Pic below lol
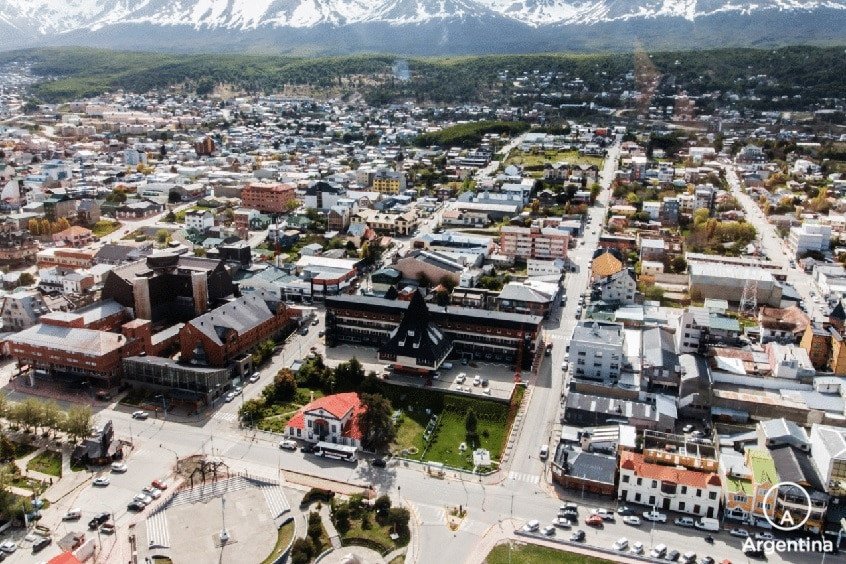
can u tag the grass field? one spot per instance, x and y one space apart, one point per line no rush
284 537
450 434
518 157
104 227
48 462
534 554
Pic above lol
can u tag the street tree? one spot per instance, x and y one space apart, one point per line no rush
349 375
375 423
51 415
78 422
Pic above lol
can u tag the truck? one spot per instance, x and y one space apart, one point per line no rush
708 524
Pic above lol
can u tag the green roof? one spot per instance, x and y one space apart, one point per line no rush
719 322
762 465
737 485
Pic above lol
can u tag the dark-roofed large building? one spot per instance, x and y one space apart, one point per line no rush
169 287
417 343
218 336
493 336
584 471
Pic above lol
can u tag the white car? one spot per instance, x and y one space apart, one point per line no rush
740 533
143 498
765 536
632 520
288 444
8 546
140 415
237 390
229 397
621 544
637 548
477 380
532 526
655 516
254 378
154 493
460 378
119 467
658 551
102 481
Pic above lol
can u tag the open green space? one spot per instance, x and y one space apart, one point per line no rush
47 462
104 227
23 449
275 416
511 553
284 536
541 158
493 424
372 526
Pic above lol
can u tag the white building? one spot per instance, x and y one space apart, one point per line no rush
668 488
810 237
199 220
828 451
653 208
619 287
596 350
539 267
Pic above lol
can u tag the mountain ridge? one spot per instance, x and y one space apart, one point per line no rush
430 26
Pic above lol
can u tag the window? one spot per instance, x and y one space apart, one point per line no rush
654 483
712 495
681 506
698 492
626 478
639 481
309 422
684 490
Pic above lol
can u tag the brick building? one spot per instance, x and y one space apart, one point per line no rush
268 198
67 259
217 337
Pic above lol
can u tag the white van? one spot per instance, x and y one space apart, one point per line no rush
544 452
708 524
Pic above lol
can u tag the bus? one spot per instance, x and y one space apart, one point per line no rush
335 451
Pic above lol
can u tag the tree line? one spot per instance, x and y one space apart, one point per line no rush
45 416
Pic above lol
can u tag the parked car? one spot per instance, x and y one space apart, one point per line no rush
621 544
477 380
689 558
152 492
460 378
706 560
544 452
140 415
562 522
41 544
8 546
107 528
754 552
594 520
102 481
379 462
119 467
655 516
637 548
532 526
631 520
446 366
658 551
254 378
135 506
625 510
288 444
143 498
98 520
673 555
684 521
740 533
229 397
72 515
687 428
158 484
238 390
578 536
548 531
765 536
307 448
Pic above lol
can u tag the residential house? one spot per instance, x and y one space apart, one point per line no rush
73 236
332 418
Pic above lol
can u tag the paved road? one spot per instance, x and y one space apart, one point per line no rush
775 248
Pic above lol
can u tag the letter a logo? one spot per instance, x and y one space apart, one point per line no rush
787 519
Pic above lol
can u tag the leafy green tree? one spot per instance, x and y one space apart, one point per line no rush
375 422
284 385
349 375
26 279
77 424
382 504
302 551
252 410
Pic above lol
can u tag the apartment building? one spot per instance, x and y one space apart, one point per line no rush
810 237
596 350
533 242
388 182
268 198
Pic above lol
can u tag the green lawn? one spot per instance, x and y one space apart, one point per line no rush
534 554
518 157
283 538
48 462
276 416
104 227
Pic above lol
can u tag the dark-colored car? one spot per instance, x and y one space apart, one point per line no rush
98 520
755 553
135 506
41 544
625 511
673 555
379 463
308 449
578 536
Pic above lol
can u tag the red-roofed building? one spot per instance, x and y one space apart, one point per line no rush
65 558
331 419
669 488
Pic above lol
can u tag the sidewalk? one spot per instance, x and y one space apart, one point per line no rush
326 518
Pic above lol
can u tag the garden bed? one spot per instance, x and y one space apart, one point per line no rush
48 462
284 537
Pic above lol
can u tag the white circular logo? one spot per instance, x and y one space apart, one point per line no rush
787 522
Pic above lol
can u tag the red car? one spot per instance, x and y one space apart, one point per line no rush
593 520
159 485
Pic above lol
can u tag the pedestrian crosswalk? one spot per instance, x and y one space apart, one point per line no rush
223 416
275 498
521 477
202 493
158 534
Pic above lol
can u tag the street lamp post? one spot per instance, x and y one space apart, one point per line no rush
164 404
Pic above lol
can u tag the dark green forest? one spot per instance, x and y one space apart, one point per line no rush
812 73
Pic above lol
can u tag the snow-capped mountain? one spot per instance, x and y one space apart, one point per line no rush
353 25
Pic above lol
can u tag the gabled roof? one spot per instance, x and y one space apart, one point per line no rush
240 315
417 336
634 461
606 264
340 406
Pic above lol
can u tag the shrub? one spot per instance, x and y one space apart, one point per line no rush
302 551
365 521
399 517
342 519
382 504
317 494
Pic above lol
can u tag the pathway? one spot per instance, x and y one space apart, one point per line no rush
325 516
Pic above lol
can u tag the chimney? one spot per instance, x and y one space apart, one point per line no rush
141 293
200 292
